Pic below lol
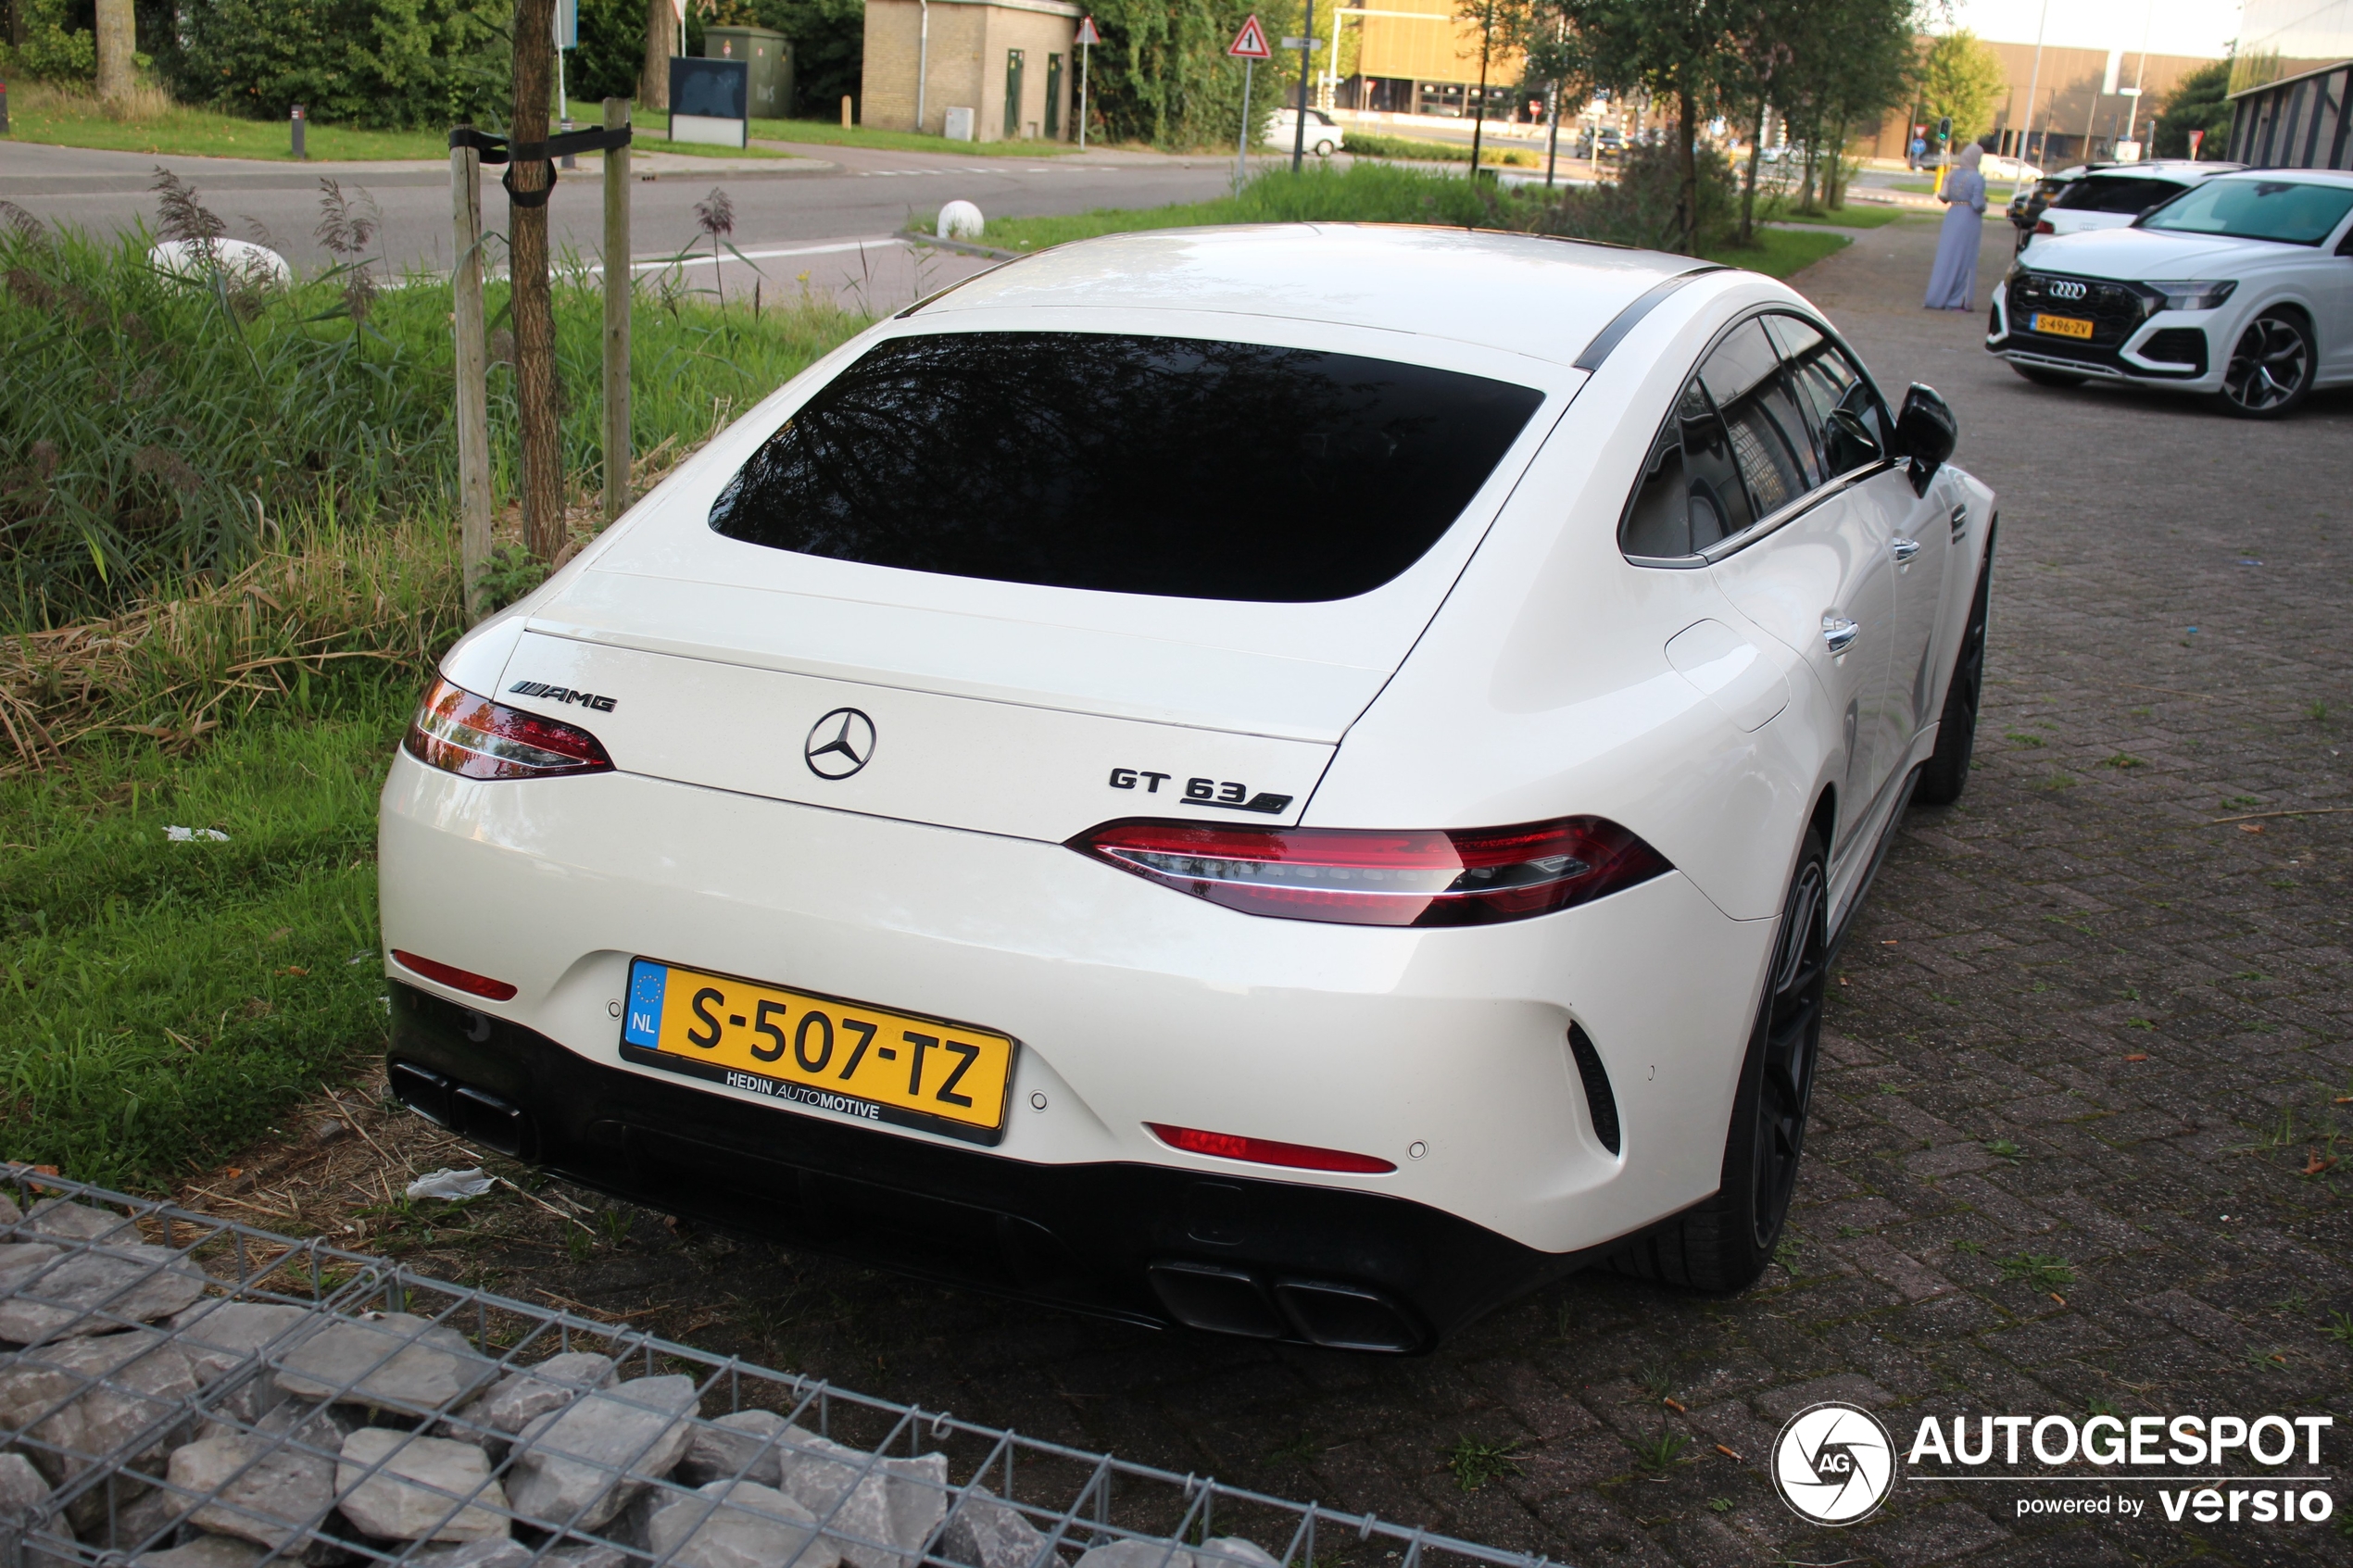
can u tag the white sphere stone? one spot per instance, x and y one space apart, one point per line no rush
960 220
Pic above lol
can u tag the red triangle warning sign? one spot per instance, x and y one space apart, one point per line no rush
1249 44
1087 33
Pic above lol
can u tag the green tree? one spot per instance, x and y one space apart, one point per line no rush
2196 103
1161 74
45 47
1959 76
376 63
1683 53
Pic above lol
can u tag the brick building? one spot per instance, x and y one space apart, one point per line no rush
2073 118
1013 63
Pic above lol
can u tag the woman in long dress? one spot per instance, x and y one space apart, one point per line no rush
1952 285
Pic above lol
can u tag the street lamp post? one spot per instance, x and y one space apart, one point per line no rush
2034 81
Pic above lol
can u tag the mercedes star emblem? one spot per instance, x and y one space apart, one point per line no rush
840 743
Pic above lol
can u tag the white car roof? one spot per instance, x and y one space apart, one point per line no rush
2305 176
1523 294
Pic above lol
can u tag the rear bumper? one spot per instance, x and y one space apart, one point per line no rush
1143 1243
1446 1051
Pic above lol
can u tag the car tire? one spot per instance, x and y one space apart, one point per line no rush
2042 377
1946 774
2270 368
1323 149
1726 1242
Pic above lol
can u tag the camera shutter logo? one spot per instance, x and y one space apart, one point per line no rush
1834 1463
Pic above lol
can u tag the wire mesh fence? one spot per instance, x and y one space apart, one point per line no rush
192 1392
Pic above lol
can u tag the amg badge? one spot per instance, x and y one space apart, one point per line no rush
562 693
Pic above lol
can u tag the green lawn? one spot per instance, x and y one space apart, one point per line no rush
193 133
1859 216
829 134
1779 253
159 1001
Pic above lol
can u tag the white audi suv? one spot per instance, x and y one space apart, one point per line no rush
2239 287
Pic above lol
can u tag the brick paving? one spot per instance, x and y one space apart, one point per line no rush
2082 1024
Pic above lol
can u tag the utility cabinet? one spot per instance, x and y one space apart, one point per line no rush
767 55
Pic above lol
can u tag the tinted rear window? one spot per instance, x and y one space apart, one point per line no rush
1134 465
2109 193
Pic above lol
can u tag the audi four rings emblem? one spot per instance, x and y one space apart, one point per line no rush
2066 291
840 743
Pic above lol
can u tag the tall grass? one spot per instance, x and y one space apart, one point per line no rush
1638 209
157 430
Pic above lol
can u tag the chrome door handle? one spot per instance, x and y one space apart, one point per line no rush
1903 549
1961 522
1838 633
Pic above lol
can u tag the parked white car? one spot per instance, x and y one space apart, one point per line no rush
1325 136
2241 287
1164 783
2112 196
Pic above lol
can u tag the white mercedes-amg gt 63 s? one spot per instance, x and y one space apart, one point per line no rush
1297 781
2239 287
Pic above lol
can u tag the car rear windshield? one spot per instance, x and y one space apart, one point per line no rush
2291 211
1178 466
2110 192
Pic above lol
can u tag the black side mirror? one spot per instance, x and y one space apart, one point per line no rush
1849 440
1925 431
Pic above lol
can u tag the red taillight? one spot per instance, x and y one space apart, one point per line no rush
457 979
477 738
1267 1152
1370 877
2042 226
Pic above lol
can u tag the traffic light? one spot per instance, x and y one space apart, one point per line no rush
1945 129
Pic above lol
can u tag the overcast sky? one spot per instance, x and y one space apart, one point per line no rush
2173 27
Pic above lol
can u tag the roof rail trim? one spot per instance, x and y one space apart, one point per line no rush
1628 318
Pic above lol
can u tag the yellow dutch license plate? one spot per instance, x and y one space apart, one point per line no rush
824 1053
2062 326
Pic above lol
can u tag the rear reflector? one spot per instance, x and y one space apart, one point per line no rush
1267 1152
452 976
1374 877
477 738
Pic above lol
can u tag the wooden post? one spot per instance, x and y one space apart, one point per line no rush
473 373
527 271
619 288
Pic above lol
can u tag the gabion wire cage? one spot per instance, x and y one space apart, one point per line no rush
187 1391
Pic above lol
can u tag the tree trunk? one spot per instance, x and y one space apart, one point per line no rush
661 36
1687 204
1748 190
1834 179
118 40
1805 184
543 475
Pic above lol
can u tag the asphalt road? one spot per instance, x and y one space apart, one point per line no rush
832 212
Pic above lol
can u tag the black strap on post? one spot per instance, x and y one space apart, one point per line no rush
498 149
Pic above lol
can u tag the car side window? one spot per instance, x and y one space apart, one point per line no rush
1774 413
1690 494
1847 422
1770 443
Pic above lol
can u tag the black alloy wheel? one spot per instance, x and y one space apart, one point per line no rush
1790 1035
1726 1243
2271 367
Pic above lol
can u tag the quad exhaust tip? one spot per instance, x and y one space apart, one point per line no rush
1335 1314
